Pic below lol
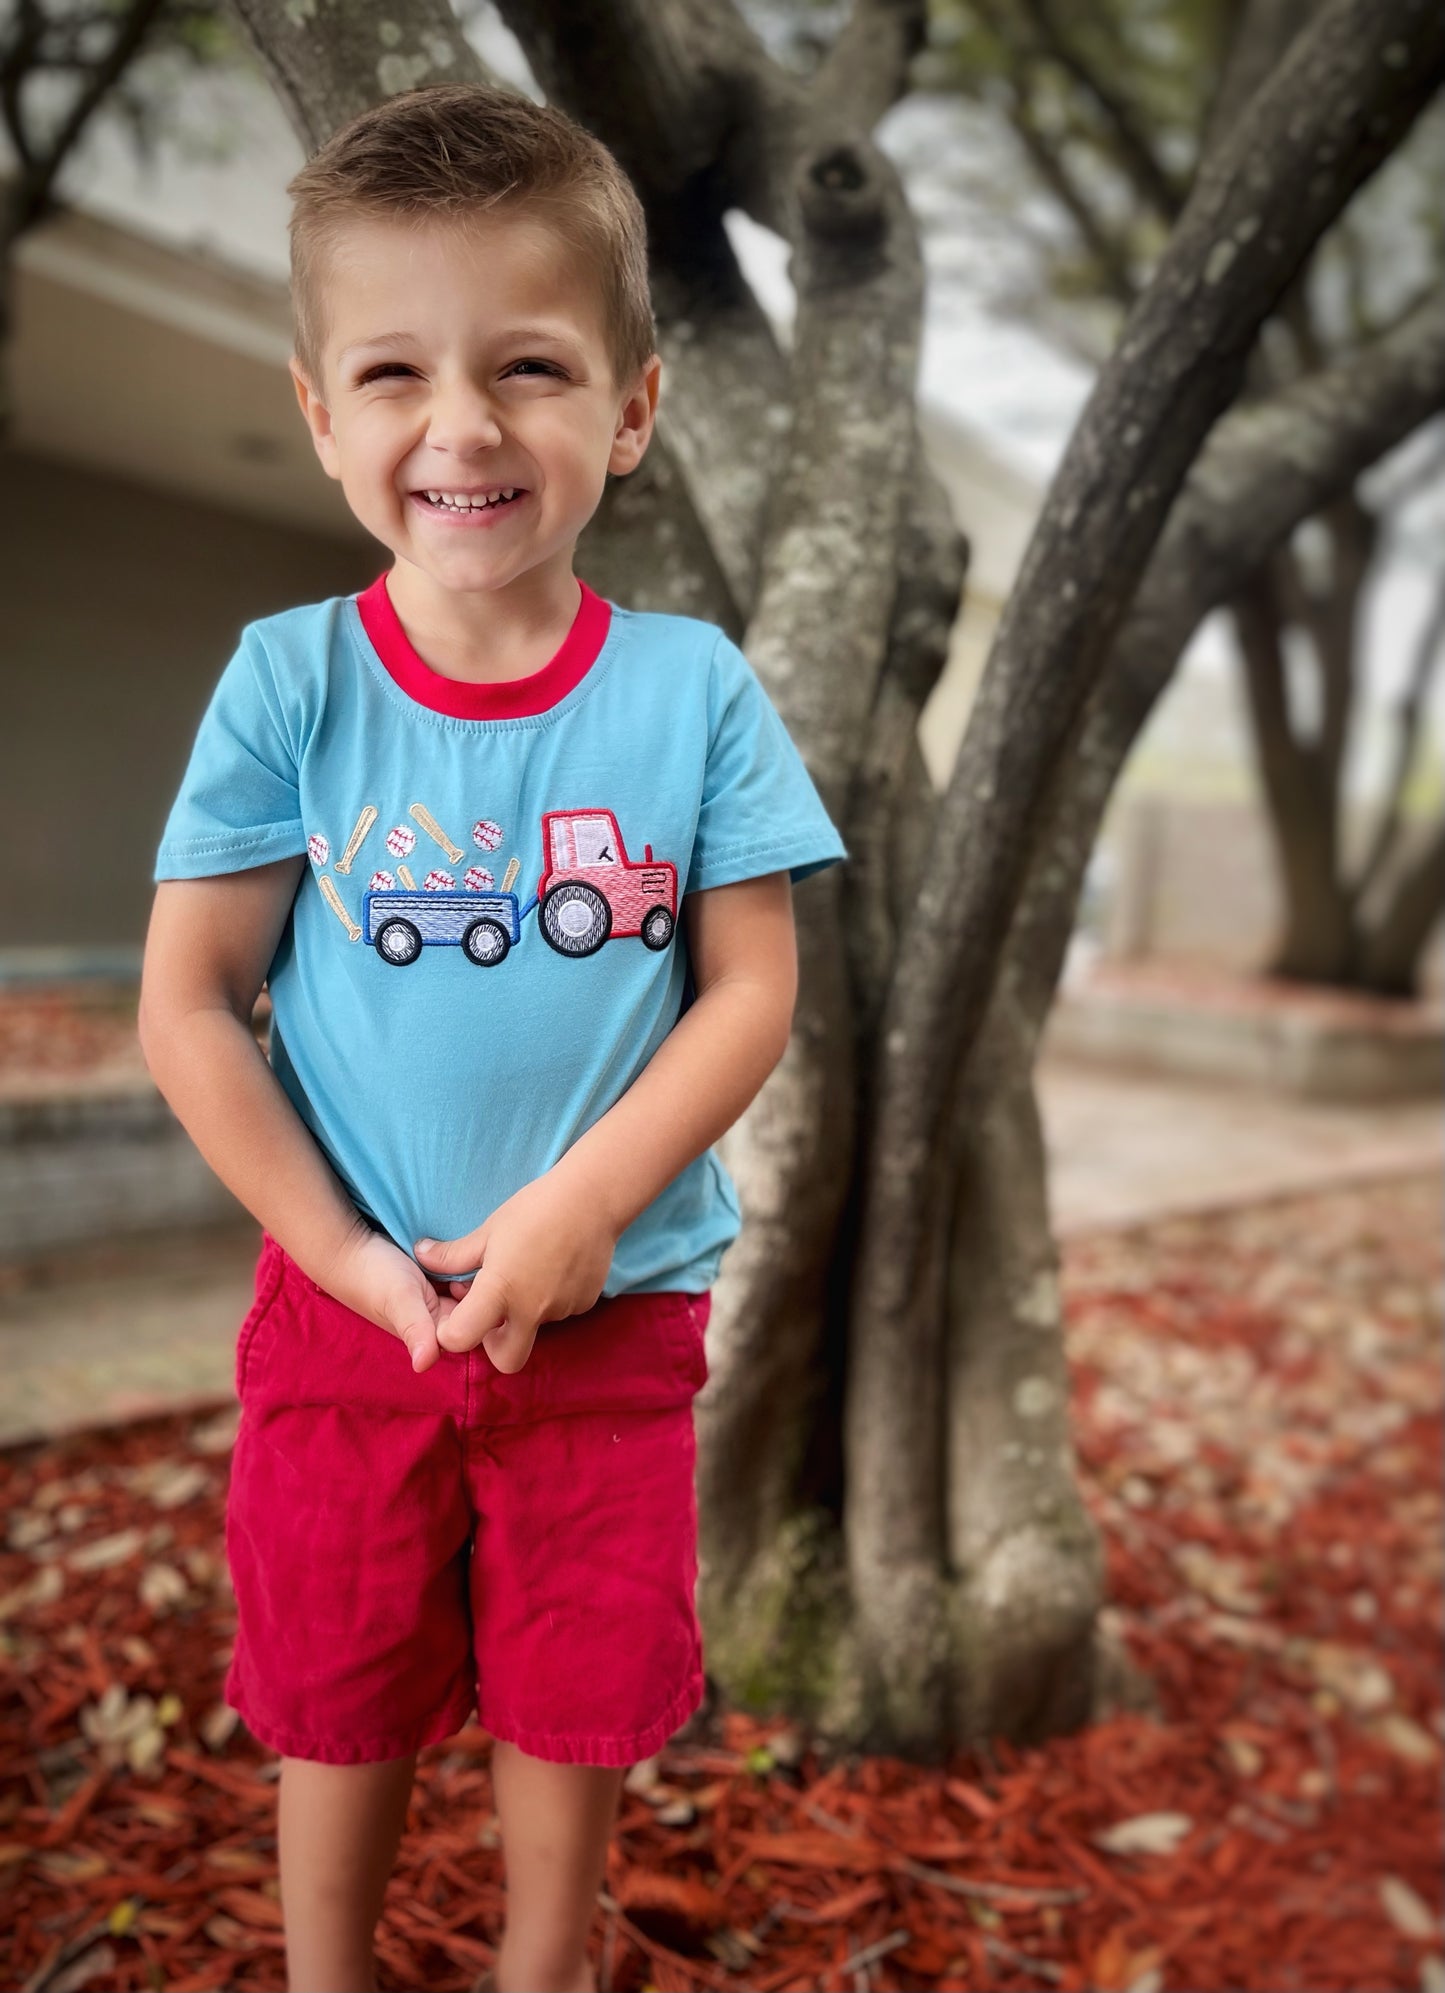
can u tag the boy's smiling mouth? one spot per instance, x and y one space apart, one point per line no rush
476 504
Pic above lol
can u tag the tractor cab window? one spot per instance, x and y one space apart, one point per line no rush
596 841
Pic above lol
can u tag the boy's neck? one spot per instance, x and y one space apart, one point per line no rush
486 637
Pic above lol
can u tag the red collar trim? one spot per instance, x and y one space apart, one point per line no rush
509 699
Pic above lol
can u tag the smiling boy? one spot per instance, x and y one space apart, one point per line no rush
515 864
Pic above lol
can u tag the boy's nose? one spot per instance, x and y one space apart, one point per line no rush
463 420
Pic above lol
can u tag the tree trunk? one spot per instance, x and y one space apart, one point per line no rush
893 1544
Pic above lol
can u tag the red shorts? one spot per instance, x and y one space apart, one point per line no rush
406 1548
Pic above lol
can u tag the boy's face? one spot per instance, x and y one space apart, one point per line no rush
467 360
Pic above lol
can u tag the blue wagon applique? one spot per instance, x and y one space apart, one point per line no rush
589 892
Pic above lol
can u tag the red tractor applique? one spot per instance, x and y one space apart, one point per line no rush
591 891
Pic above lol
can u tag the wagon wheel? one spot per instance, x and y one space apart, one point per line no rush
576 919
657 925
398 942
486 942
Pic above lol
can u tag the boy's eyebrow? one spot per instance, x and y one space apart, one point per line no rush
380 339
560 335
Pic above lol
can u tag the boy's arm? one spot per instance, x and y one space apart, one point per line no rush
544 1247
209 946
712 1063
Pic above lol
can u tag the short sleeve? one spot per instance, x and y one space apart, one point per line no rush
239 803
760 811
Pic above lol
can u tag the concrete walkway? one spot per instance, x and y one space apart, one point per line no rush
140 1329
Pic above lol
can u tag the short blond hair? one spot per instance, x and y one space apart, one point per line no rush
455 151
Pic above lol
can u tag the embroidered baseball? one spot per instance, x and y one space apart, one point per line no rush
477 879
317 845
438 882
380 882
486 833
401 840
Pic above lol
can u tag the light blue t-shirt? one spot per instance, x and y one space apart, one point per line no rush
487 948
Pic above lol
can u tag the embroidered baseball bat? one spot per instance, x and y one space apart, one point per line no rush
509 877
337 905
403 872
357 838
434 831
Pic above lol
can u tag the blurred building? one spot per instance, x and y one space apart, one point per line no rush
157 497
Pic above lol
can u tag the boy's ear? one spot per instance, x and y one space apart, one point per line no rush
634 420
318 419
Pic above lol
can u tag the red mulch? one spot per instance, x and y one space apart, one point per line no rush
1258 1421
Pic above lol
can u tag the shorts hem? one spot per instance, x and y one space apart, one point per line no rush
369 1751
613 1751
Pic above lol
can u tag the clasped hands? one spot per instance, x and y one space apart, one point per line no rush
541 1256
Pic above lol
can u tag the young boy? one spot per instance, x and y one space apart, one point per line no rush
484 835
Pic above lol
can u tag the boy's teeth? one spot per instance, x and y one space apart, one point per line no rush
460 502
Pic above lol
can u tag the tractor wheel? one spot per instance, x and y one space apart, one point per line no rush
486 943
398 942
657 926
576 919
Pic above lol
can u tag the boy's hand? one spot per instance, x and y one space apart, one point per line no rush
377 1280
542 1255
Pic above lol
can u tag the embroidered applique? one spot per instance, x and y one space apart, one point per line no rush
484 926
337 905
319 848
590 892
401 840
357 838
420 814
593 892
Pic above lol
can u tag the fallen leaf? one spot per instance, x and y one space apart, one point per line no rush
1406 1738
218 1726
161 1587
1145 1834
1405 1910
43 1589
104 1551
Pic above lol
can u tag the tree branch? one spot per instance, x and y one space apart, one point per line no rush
866 70
1391 952
1094 232
332 59
1132 148
1428 652
1268 466
1343 97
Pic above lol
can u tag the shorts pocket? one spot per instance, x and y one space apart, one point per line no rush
270 1271
695 1312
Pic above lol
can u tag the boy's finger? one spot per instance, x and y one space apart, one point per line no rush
415 1327
448 1255
480 1310
509 1347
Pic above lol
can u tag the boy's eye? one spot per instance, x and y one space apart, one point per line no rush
537 366
380 372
